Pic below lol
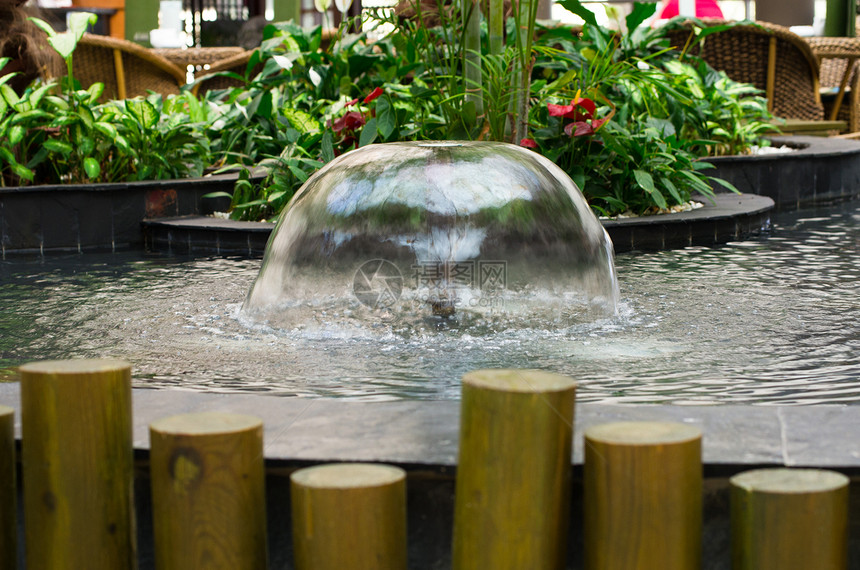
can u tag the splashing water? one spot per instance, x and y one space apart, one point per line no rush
486 235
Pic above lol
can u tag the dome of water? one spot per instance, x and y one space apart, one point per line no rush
439 232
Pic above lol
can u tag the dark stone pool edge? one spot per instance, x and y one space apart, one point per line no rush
424 432
820 171
728 217
81 217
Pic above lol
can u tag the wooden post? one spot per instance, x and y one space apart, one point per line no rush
643 496
513 476
8 491
349 515
789 519
77 464
208 492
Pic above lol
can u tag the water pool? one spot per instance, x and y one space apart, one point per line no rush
770 320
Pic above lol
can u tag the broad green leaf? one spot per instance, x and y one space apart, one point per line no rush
95 90
217 195
304 123
106 129
57 102
122 144
29 116
327 148
577 8
644 180
8 77
86 145
300 174
562 81
724 184
22 172
16 134
368 133
36 96
86 116
44 26
61 147
386 117
641 12
91 167
41 156
143 111
9 95
64 44
276 196
78 22
261 105
673 190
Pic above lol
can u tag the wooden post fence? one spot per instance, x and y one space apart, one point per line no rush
514 473
789 519
643 496
349 515
77 465
208 492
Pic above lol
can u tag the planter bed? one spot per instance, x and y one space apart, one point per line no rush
42 219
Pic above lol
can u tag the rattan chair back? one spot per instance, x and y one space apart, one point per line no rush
237 64
126 68
771 57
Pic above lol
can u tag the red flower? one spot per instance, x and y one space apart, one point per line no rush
351 103
597 123
349 122
582 128
559 110
373 95
528 143
580 108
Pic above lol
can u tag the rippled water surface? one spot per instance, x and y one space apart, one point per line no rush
769 320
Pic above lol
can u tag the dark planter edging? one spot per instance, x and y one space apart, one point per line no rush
83 217
728 217
820 171
206 235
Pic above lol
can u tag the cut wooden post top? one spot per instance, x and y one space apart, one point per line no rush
205 423
74 366
643 433
348 475
779 480
525 381
6 411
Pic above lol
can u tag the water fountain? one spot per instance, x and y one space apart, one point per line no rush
478 232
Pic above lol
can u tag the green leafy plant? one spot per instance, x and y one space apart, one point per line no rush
59 133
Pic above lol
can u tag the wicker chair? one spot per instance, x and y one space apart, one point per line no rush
212 82
774 59
126 68
842 102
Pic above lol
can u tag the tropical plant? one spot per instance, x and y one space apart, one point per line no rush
59 133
